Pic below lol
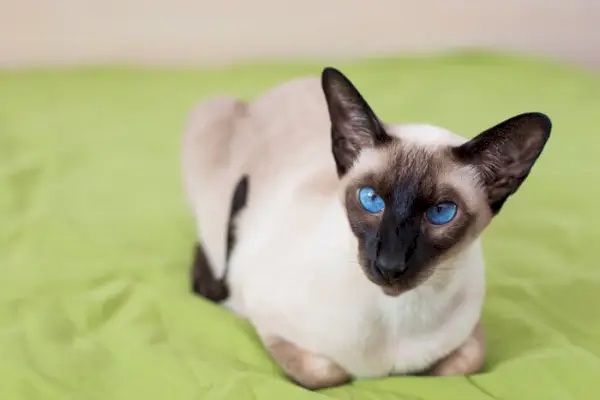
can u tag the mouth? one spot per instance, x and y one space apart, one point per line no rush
394 289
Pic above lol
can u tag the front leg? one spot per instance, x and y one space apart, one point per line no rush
309 370
466 360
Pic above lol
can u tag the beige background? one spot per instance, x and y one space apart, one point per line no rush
41 32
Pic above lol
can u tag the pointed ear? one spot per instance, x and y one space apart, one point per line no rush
354 126
504 154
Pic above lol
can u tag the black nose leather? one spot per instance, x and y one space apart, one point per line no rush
389 270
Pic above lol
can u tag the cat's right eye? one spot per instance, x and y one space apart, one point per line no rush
370 200
441 213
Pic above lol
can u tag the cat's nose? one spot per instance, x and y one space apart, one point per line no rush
389 270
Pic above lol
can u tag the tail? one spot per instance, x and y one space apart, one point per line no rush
204 282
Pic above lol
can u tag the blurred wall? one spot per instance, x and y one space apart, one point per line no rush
41 32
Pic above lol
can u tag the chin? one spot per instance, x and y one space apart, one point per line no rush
395 289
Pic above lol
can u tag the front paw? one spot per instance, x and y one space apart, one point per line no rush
466 360
309 370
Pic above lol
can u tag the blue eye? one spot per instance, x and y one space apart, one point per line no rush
441 213
370 200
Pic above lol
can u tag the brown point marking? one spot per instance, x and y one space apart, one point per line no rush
421 175
204 282
468 359
306 369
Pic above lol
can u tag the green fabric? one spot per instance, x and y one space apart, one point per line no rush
95 238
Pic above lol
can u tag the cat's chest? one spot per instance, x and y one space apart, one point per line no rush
296 275
335 310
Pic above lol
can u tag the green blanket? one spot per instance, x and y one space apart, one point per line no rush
96 239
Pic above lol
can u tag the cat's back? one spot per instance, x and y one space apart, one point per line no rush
280 134
279 141
291 127
292 176
291 171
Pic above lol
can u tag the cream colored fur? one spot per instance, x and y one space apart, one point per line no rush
294 272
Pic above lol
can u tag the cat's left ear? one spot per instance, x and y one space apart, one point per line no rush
504 154
354 126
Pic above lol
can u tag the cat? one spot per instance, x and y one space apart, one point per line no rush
350 244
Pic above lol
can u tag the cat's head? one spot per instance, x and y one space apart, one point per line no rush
416 195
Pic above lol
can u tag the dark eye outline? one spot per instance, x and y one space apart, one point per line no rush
360 195
437 223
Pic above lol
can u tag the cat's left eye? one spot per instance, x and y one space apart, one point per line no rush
441 213
370 201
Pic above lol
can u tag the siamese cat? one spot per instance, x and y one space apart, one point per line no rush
350 244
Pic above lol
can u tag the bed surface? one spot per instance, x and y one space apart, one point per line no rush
96 239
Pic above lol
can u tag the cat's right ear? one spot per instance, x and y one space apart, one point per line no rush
504 154
354 126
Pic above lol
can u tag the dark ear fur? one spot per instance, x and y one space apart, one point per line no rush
505 154
354 126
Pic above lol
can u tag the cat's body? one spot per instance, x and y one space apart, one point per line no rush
294 270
